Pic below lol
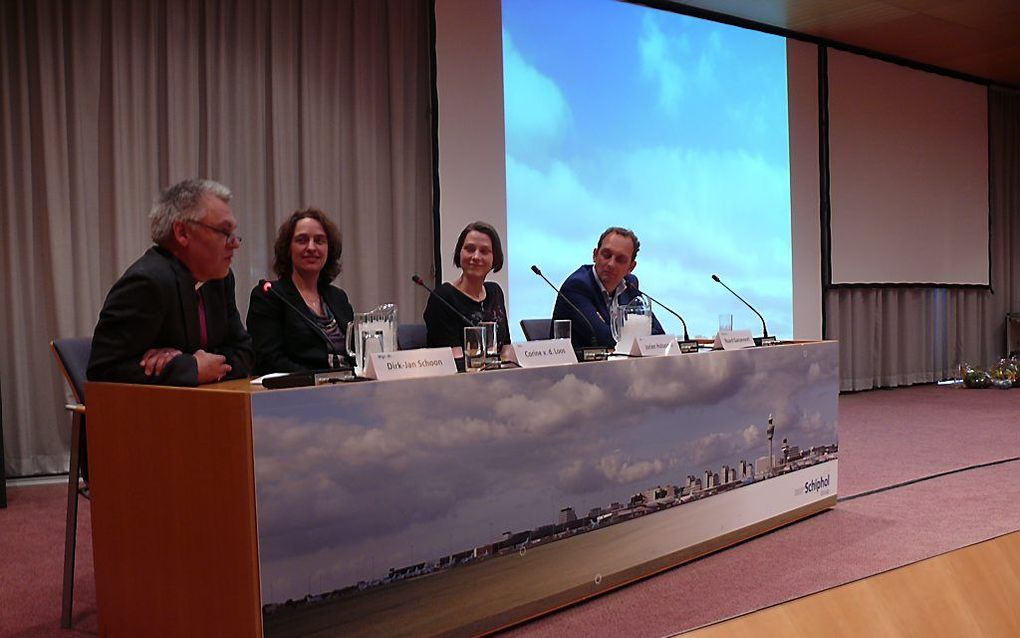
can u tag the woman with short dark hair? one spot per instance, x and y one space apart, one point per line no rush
306 258
477 253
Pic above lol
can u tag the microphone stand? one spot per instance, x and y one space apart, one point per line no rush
593 353
686 346
418 280
765 339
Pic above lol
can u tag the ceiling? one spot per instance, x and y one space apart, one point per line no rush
976 38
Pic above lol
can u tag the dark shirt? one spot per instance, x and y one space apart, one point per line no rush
445 328
284 341
155 305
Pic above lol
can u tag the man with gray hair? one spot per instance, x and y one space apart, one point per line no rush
171 318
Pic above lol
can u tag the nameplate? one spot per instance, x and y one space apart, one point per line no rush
411 364
550 352
686 347
733 340
654 346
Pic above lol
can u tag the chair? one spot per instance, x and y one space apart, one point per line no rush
72 355
411 336
537 329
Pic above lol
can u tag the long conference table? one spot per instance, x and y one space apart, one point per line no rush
448 505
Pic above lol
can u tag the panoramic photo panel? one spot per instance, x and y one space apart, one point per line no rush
475 501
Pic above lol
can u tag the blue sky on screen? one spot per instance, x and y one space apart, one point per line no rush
672 126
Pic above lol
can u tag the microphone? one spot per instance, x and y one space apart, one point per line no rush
334 357
416 279
686 345
595 352
765 340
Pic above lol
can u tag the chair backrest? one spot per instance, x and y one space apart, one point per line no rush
411 336
536 329
72 354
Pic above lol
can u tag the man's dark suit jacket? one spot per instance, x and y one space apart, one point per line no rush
284 342
154 305
581 288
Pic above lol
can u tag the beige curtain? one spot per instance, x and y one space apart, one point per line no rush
898 336
289 103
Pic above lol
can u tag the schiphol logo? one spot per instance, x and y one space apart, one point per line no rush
819 485
816 484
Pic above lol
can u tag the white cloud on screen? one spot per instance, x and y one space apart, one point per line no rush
554 195
555 219
757 116
536 110
659 64
718 193
674 63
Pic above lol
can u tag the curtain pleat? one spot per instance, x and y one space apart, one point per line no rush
289 103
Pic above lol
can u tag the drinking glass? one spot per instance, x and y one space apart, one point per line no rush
561 329
491 342
725 322
474 348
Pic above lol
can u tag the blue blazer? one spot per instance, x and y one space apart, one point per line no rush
581 288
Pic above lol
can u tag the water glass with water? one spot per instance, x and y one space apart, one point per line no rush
725 322
474 348
561 329
491 342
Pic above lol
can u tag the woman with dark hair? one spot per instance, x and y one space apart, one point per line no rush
478 252
306 259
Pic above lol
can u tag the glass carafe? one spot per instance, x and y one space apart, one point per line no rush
372 331
631 321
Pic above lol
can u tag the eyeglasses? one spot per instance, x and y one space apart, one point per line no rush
229 237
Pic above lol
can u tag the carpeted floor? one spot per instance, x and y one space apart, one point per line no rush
888 439
32 564
891 436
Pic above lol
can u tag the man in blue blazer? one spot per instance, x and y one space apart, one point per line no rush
598 288
171 318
